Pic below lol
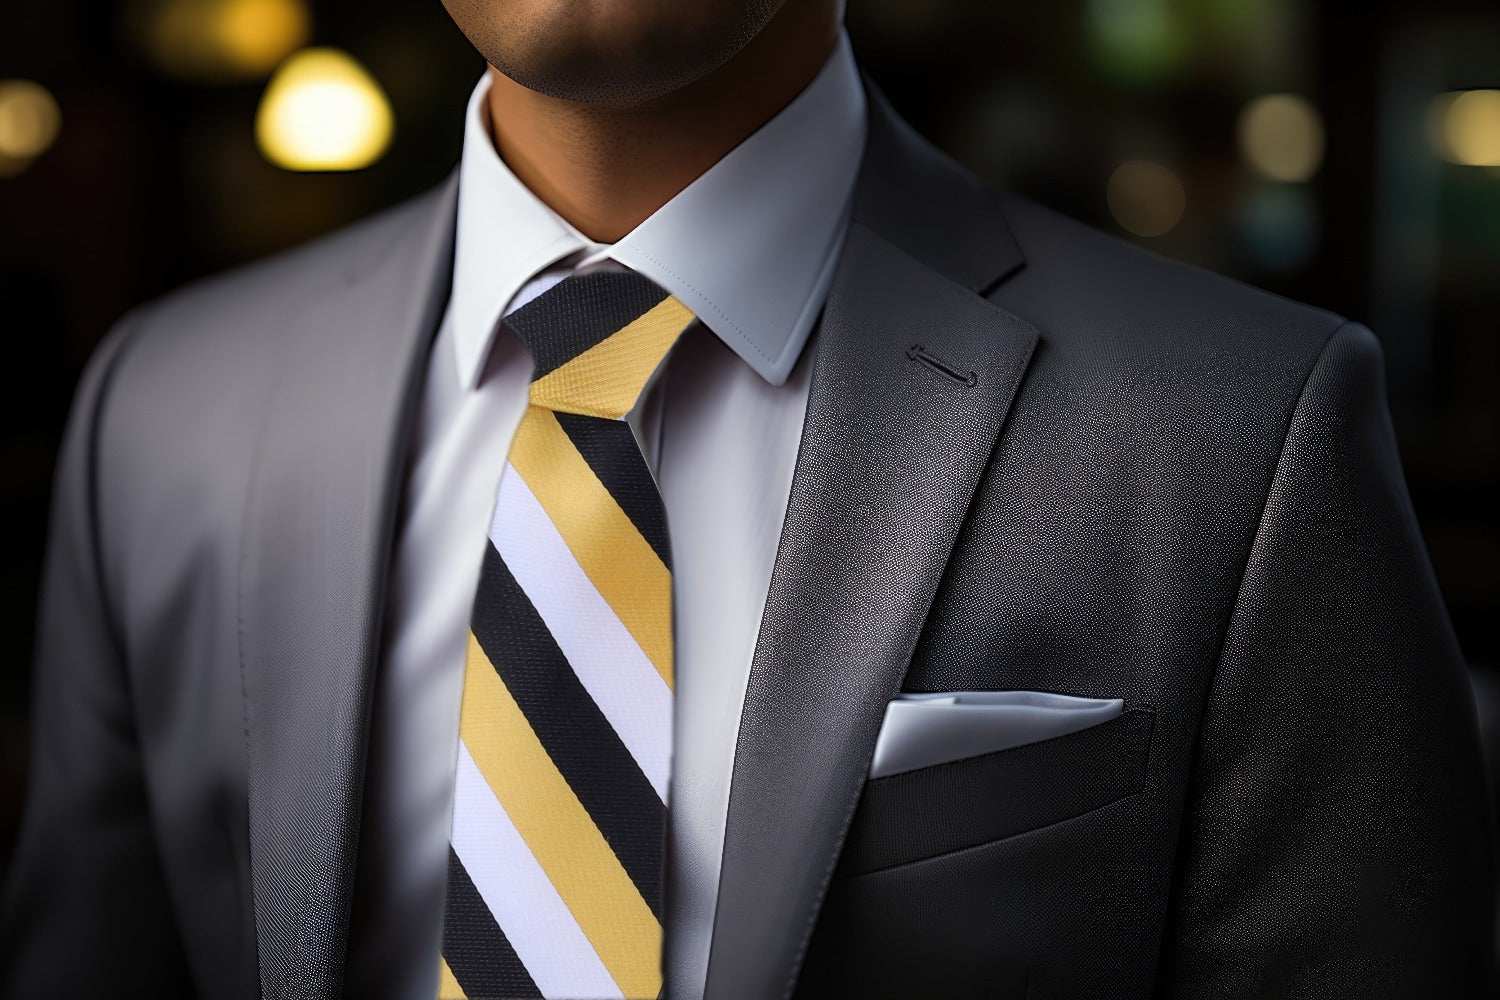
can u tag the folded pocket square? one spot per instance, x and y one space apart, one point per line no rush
921 730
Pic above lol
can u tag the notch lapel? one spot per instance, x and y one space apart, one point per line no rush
913 376
317 539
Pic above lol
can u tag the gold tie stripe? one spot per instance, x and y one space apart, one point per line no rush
617 559
606 380
555 872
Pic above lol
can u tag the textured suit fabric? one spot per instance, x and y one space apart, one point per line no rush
1345 807
132 874
1196 505
96 886
1147 482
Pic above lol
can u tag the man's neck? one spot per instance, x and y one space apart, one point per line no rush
606 169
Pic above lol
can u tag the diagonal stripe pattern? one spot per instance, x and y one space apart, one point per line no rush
559 829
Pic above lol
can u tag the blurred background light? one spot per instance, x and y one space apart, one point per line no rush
222 41
29 123
1282 137
1146 198
323 111
1278 226
1465 127
1137 41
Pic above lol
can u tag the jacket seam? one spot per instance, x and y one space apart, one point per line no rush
119 342
1234 612
992 841
119 345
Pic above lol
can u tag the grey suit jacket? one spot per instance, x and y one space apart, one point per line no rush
1034 458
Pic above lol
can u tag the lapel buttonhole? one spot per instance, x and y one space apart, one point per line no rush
920 354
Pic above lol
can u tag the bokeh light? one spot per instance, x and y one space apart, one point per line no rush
1282 136
29 123
1465 127
220 40
1278 226
1137 41
323 111
1146 198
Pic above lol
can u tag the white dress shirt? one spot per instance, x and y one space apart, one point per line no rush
750 247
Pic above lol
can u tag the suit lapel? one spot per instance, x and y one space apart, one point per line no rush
320 515
913 376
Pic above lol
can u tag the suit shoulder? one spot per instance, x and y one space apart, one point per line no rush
182 385
241 316
1079 282
1173 359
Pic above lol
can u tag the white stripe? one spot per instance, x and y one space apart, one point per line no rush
608 661
520 896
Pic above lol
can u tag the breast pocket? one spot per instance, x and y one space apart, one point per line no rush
964 803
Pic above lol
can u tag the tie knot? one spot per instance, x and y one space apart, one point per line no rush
596 338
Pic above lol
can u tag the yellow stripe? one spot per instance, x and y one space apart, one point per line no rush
448 988
620 562
562 837
605 380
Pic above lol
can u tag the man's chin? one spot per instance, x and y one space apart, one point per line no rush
611 53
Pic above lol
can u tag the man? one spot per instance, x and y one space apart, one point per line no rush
714 541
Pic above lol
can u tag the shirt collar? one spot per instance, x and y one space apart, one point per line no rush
749 246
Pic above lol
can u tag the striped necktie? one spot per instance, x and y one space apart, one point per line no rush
556 857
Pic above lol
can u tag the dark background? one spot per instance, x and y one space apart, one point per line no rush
155 179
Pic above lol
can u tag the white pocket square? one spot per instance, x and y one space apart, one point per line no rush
921 730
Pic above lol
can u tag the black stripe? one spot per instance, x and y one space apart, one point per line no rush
579 312
482 960
610 449
577 736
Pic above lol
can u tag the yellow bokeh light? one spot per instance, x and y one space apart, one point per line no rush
1146 199
29 123
323 111
1466 127
222 39
1282 136
257 34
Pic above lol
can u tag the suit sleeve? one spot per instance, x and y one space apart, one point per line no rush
1337 838
85 911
